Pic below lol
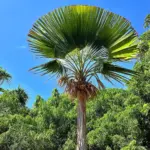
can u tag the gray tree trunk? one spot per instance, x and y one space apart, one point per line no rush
81 125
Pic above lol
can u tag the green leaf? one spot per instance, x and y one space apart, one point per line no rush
52 67
58 33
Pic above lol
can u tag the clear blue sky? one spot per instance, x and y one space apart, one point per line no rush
18 16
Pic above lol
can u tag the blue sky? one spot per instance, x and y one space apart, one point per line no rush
18 16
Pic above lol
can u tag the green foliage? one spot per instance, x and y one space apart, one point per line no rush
145 36
116 119
133 146
144 43
21 95
10 103
113 122
60 32
4 76
113 119
23 134
1 90
144 47
39 100
147 21
140 85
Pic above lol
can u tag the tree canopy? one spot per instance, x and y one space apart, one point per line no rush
115 120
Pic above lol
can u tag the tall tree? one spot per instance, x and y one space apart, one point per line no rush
147 21
4 76
83 44
38 100
21 94
140 85
144 43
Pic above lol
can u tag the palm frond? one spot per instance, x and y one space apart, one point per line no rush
117 73
4 76
94 63
100 83
51 67
117 69
59 32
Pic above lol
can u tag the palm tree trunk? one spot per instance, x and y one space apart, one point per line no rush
81 124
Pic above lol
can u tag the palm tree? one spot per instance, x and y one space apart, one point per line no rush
21 95
4 76
83 43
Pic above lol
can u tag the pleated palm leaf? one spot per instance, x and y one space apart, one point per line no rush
83 43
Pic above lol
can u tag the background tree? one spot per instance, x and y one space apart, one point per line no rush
113 121
2 90
147 21
144 43
55 97
38 100
21 94
4 76
140 85
83 44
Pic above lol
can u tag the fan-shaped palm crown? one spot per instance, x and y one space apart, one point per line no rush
83 42
4 76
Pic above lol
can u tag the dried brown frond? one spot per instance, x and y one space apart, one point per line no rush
78 89
63 81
